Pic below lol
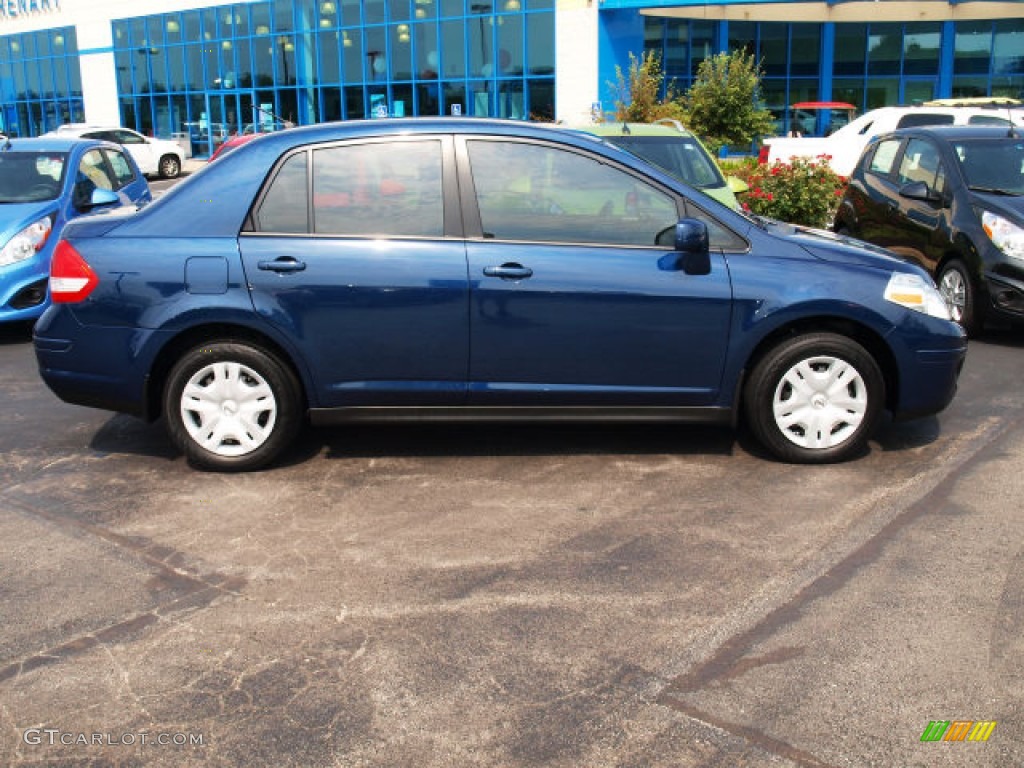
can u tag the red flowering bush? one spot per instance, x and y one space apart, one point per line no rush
806 192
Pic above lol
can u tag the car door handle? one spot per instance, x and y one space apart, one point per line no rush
282 264
510 271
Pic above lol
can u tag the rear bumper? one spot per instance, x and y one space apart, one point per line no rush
107 370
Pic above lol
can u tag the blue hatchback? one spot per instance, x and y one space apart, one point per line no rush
43 184
457 269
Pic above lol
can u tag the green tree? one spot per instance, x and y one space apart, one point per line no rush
637 93
721 105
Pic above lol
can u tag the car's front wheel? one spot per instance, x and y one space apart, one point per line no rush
957 289
815 398
170 167
231 406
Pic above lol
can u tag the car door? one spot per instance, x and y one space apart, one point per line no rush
355 256
573 298
921 224
873 193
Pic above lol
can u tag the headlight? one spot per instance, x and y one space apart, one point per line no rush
916 293
26 243
1007 236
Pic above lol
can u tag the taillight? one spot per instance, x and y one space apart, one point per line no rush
71 278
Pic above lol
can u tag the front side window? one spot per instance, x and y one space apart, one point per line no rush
538 193
920 163
384 189
884 156
94 168
123 173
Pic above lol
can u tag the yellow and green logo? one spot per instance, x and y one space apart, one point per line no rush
958 730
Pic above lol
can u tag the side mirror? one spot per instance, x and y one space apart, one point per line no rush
737 185
100 198
918 190
691 252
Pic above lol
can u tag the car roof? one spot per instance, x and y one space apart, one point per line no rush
52 143
631 129
951 132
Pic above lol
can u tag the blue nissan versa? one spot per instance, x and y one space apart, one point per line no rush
43 184
456 269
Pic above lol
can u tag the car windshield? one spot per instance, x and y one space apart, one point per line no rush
30 177
680 156
993 165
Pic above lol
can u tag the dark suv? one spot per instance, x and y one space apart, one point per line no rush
952 200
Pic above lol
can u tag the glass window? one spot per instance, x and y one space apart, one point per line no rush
884 156
285 208
453 48
885 44
921 49
540 43
1007 47
920 163
924 118
805 49
774 49
93 168
390 189
538 193
123 173
850 49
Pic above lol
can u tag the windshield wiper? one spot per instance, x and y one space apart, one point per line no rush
994 191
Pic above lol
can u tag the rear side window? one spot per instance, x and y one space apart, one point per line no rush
391 189
987 120
923 118
285 207
884 156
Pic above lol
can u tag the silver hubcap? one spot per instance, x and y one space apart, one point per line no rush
820 402
228 409
954 291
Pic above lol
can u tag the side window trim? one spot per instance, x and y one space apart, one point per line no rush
453 226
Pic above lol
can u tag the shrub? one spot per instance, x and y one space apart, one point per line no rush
805 192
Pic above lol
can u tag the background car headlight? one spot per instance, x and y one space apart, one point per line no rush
916 293
26 243
1007 236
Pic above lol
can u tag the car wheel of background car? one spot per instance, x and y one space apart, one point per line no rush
170 167
815 398
231 406
957 289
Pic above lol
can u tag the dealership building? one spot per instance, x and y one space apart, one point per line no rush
201 71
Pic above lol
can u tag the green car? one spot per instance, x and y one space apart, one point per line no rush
675 150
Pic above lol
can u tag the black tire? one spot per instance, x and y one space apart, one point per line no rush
257 398
961 295
170 167
842 400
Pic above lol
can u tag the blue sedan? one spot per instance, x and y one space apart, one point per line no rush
43 184
453 269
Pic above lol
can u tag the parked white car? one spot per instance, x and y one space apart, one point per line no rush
844 147
155 157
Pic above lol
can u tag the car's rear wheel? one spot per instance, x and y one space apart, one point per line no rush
815 398
962 299
170 167
231 406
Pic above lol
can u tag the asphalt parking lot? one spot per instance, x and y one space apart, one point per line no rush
514 596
